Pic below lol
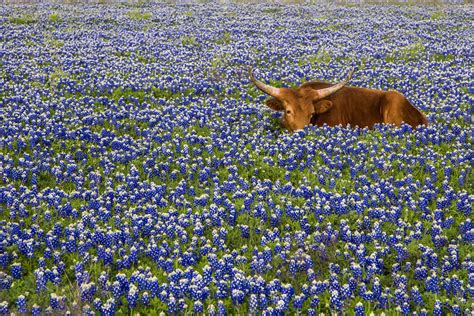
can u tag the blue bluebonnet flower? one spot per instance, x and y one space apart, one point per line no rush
40 280
335 301
198 307
21 304
145 299
238 296
54 301
97 304
253 303
299 301
262 301
314 301
16 270
132 296
36 310
432 283
88 136
87 291
221 309
438 309
4 308
359 309
116 289
108 308
416 296
456 310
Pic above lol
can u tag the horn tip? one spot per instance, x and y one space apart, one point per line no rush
349 75
250 69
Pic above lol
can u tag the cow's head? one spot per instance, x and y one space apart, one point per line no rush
298 104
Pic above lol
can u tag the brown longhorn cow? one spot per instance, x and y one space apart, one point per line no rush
322 103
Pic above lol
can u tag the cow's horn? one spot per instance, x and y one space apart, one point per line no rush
322 93
274 92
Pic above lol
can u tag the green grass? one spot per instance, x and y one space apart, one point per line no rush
321 57
261 169
271 10
442 58
146 59
333 27
408 53
139 15
125 54
56 76
54 17
224 39
55 43
438 15
188 40
23 19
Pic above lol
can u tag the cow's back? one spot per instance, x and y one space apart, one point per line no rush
351 105
396 109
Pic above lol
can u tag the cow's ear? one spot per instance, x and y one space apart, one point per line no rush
322 106
275 104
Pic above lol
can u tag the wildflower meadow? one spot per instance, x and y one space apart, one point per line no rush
142 173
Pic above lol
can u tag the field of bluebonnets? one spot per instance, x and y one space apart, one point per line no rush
141 172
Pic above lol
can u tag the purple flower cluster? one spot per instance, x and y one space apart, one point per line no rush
140 170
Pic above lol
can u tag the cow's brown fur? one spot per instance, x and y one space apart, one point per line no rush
350 105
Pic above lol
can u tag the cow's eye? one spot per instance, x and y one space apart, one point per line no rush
288 111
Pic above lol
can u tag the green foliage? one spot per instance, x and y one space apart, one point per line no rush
466 91
224 39
55 43
146 59
407 53
442 58
217 64
139 15
413 50
54 17
321 57
134 4
122 53
333 27
272 10
55 76
23 19
438 15
261 169
127 93
189 41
